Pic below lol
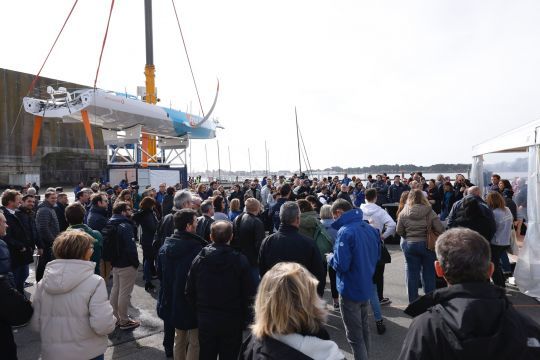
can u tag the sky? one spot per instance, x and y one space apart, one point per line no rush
374 82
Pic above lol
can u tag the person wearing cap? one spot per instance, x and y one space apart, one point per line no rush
135 196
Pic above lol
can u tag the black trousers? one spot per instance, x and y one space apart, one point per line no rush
168 336
378 279
498 277
220 341
333 288
42 262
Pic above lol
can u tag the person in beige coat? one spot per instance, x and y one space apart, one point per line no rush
71 310
412 225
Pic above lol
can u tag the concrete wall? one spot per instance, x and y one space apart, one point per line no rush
63 155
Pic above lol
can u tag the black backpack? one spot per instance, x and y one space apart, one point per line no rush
111 245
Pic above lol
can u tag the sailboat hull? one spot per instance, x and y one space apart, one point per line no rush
114 111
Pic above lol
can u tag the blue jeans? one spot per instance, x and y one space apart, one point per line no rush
355 315
20 274
148 262
418 259
100 357
375 304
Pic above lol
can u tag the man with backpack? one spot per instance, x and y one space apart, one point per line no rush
119 248
249 234
471 318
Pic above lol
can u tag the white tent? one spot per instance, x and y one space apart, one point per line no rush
522 139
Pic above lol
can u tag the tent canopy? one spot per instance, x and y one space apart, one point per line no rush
523 138
516 140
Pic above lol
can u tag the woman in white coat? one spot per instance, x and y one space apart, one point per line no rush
71 310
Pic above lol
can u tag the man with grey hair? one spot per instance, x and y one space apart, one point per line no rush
182 200
287 244
470 319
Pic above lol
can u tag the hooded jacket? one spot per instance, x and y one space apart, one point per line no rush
356 252
291 347
173 264
413 221
469 321
379 219
220 287
72 312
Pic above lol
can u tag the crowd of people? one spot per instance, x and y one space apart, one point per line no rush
257 256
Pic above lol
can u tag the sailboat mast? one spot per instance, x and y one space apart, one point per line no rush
230 167
265 158
298 141
218 161
206 154
249 161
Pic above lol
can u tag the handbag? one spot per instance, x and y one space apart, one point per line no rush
432 235
385 255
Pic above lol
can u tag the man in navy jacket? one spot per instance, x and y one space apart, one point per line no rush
124 266
173 264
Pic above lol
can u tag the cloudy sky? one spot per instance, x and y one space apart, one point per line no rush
374 81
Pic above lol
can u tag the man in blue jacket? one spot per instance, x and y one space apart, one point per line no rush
356 251
124 266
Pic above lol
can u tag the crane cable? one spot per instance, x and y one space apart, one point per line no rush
103 45
187 56
33 83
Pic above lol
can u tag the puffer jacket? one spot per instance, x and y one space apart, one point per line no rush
47 224
72 311
412 222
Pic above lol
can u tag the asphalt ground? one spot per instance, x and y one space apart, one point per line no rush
145 341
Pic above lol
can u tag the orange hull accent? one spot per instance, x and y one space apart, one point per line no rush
88 129
38 121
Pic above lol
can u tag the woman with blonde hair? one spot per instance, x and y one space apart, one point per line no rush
412 225
72 312
289 317
501 240
235 209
